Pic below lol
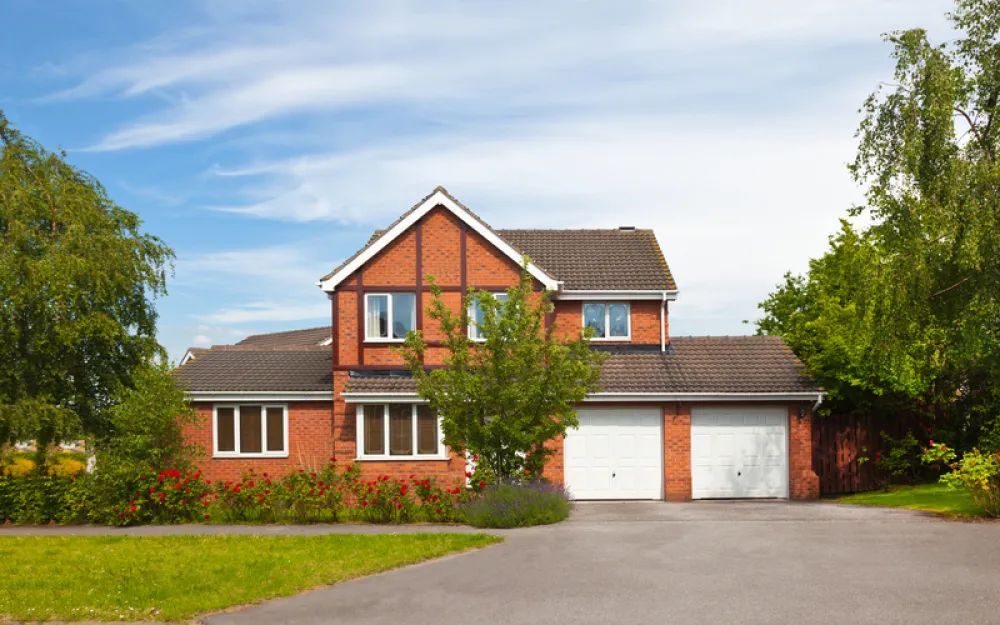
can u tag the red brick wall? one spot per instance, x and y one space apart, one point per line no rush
677 451
803 483
309 442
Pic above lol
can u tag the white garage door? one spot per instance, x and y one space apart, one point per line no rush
739 452
617 453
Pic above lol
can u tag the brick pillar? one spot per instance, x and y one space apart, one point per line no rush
677 451
553 470
803 483
344 422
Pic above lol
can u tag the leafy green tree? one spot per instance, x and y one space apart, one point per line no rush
909 303
77 282
507 396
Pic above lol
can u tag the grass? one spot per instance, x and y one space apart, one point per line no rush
178 577
929 497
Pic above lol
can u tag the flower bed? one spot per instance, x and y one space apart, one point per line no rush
125 496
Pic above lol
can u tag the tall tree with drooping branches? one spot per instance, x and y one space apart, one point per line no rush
907 302
78 279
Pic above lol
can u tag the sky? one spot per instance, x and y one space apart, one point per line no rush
265 141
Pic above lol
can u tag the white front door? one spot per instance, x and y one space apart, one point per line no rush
616 453
739 452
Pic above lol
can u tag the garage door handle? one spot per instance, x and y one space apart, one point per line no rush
612 474
738 474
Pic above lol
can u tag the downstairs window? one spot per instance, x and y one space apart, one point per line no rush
250 431
398 432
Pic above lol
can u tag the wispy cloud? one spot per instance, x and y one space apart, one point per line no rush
454 59
269 311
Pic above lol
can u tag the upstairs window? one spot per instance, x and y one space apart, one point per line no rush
610 321
478 316
250 431
389 316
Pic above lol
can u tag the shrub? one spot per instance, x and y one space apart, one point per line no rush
517 504
977 472
40 498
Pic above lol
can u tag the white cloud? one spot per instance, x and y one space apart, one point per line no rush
269 311
202 340
243 67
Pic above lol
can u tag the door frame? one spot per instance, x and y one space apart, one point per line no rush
786 416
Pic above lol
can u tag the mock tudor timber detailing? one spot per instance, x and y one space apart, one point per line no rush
651 383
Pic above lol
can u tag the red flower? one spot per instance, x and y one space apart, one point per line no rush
475 457
183 502
482 483
302 470
152 489
131 500
208 516
163 496
121 516
312 492
468 474
438 511
133 508
932 442
399 506
411 476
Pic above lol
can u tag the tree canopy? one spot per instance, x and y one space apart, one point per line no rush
505 397
77 282
905 307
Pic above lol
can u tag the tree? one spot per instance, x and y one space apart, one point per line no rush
77 282
505 397
911 302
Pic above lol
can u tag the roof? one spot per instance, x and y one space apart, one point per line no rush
438 197
584 260
259 370
597 260
711 364
291 338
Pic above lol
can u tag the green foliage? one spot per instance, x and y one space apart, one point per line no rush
77 282
975 472
506 397
518 504
36 497
905 306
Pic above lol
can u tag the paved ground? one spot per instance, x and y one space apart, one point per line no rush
708 562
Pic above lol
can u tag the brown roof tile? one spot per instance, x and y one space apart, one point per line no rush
235 368
308 336
596 259
713 364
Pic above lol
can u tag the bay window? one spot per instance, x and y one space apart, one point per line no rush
250 430
389 316
398 432
610 321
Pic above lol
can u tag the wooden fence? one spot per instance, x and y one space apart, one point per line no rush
838 442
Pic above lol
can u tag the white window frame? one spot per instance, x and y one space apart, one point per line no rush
264 453
472 324
607 320
442 453
389 311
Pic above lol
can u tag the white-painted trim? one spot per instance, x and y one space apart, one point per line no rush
391 318
328 341
249 397
236 431
615 295
186 358
663 323
360 456
607 321
438 198
374 398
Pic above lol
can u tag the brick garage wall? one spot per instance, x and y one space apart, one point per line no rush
677 451
310 441
803 483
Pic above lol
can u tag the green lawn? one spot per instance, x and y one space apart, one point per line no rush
930 497
178 577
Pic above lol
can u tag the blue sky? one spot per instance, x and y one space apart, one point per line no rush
264 141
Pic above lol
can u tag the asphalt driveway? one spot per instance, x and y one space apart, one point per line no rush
709 562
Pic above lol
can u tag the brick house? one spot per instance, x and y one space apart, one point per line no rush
677 418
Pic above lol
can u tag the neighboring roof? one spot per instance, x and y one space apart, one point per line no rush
289 338
597 260
438 197
711 364
259 370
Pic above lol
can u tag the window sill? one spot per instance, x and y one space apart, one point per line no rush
435 457
384 340
612 339
231 456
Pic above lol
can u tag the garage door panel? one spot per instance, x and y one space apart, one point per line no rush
623 458
739 452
